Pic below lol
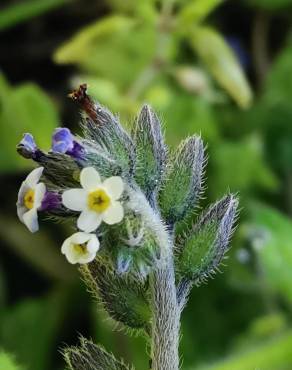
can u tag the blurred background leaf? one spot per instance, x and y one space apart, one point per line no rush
25 108
8 363
21 12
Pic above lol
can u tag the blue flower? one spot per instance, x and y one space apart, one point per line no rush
63 142
27 146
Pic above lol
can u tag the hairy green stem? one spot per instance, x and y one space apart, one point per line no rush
165 318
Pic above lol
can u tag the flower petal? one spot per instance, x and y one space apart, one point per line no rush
21 209
89 178
30 219
71 256
89 257
80 237
88 221
114 186
28 143
66 245
33 178
114 214
75 199
40 191
93 244
62 140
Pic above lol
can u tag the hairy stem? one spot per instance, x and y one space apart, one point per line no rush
165 319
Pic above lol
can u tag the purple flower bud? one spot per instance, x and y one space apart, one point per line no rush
63 142
27 146
51 201
77 151
28 142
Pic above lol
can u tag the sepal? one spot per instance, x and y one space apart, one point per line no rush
123 297
183 181
150 151
201 250
132 246
89 356
103 127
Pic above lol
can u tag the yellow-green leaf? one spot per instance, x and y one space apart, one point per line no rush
222 63
78 49
196 11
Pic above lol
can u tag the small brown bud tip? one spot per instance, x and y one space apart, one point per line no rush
79 95
84 101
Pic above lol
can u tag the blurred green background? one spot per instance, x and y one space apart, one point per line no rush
219 68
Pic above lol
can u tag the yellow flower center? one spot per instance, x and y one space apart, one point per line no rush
98 201
28 199
81 249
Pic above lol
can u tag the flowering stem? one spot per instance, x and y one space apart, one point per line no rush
165 318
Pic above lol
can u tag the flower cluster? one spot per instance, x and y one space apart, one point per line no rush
128 196
96 200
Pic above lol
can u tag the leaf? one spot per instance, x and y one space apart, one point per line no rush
196 11
222 63
98 47
33 324
270 234
22 11
183 180
79 47
274 113
7 362
25 108
150 151
90 356
123 297
273 354
250 171
202 249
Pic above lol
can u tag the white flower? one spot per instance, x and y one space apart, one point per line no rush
80 247
30 196
97 201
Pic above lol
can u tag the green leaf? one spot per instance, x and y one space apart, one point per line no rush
123 297
90 356
250 171
33 324
270 233
196 11
97 48
25 10
25 108
273 354
202 248
222 63
78 49
7 362
274 112
183 180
